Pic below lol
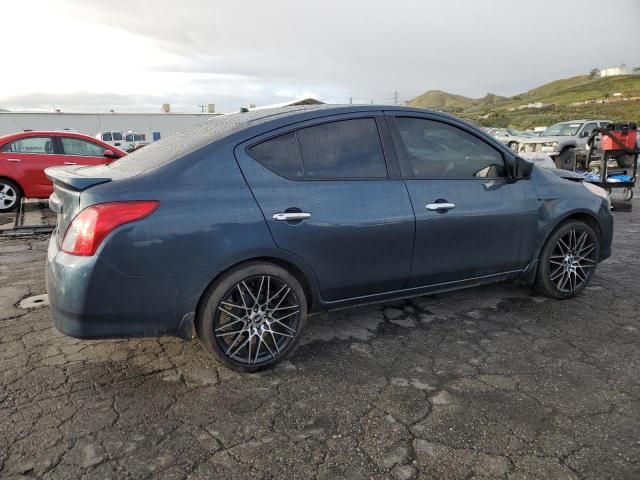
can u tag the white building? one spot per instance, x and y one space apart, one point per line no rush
153 125
615 71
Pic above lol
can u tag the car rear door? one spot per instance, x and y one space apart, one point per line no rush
329 196
472 220
78 151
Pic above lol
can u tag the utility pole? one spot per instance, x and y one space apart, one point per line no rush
350 100
395 97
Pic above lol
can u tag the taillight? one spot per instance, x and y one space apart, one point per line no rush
94 223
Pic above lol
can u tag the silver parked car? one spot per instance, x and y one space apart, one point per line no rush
563 141
509 136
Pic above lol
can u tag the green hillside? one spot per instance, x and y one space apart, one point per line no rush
437 99
563 99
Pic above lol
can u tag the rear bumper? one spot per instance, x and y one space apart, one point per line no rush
90 299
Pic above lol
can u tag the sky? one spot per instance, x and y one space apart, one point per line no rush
133 56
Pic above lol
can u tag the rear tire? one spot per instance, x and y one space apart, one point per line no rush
10 195
568 260
252 317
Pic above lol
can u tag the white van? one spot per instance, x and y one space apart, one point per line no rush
115 139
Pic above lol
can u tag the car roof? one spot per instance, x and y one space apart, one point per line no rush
39 133
238 127
583 120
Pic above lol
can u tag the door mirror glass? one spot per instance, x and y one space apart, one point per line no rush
108 154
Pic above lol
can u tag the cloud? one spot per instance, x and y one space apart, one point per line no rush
253 51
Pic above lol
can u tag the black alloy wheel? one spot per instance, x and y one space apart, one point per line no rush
253 317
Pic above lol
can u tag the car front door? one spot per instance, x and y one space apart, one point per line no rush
25 159
472 220
327 197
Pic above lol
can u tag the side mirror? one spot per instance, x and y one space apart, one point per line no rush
109 154
521 168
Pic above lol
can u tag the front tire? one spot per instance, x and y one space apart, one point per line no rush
10 195
567 159
568 260
253 316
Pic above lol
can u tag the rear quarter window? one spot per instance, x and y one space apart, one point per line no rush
280 155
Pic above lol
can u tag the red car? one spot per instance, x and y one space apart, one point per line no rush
25 155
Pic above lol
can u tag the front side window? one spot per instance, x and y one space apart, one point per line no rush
77 146
441 151
30 145
342 149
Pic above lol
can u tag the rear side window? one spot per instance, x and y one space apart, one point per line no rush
439 150
76 146
280 155
343 149
30 145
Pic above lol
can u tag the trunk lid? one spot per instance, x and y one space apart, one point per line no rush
68 184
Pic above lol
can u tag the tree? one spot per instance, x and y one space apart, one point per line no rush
594 72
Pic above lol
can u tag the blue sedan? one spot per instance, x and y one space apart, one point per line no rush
237 229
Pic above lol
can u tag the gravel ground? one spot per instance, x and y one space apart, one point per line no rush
492 382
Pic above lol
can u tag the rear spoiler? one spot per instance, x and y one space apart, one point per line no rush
72 177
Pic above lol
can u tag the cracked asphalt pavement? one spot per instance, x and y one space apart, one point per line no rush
492 382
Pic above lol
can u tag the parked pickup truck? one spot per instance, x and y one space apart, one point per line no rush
564 142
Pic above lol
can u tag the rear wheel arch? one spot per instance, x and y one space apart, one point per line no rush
291 267
13 180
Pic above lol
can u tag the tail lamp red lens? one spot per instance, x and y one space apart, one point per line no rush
90 227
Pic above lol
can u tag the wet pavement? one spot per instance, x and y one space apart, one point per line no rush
492 382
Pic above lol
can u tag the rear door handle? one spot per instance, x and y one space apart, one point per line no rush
289 216
440 206
13 160
70 163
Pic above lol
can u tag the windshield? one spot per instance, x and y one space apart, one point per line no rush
562 130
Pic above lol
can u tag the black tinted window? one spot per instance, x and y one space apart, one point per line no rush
439 150
280 155
343 149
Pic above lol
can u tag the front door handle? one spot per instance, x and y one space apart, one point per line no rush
440 206
13 160
70 163
289 216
